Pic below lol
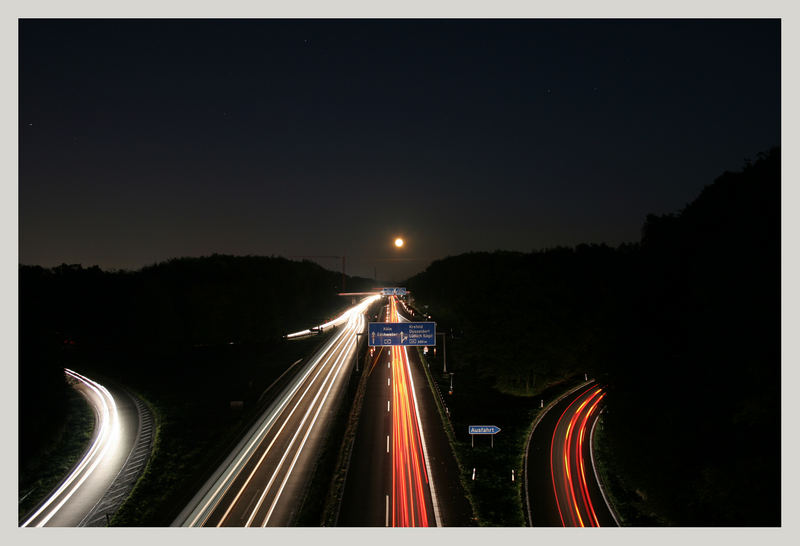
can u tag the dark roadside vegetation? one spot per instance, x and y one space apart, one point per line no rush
682 328
190 336
498 465
47 467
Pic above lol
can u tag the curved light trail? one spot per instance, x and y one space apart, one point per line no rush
249 490
106 437
568 452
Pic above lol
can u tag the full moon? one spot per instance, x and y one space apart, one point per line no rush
398 242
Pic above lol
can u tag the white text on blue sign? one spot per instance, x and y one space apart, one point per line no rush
395 291
402 333
483 429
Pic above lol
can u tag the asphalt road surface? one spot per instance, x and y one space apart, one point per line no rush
402 472
115 435
264 479
562 486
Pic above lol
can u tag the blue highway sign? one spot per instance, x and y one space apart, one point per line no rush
395 291
483 429
402 333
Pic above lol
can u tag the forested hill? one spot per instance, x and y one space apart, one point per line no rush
181 302
529 319
683 327
696 393
157 319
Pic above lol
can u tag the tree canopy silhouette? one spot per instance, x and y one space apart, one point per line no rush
684 327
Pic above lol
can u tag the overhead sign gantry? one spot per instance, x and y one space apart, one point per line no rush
402 333
394 291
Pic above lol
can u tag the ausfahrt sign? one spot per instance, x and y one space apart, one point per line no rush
483 429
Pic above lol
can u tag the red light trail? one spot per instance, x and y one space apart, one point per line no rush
567 457
409 476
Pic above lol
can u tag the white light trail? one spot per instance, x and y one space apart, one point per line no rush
269 447
340 348
326 381
106 437
341 319
221 486
308 431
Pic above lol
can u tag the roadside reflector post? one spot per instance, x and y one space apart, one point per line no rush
444 348
541 403
512 474
586 377
473 473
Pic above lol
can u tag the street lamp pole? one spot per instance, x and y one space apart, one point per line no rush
444 338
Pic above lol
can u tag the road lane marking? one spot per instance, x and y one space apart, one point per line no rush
250 504
344 357
387 443
319 366
388 405
214 492
342 349
434 500
223 485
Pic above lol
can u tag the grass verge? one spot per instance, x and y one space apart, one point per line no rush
131 512
196 426
629 504
38 476
491 469
448 428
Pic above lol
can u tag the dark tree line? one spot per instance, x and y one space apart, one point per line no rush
184 301
70 312
698 397
529 320
683 327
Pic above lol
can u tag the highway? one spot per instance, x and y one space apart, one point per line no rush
563 487
263 480
398 466
412 489
80 492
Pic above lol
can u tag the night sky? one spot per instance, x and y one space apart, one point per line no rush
144 140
